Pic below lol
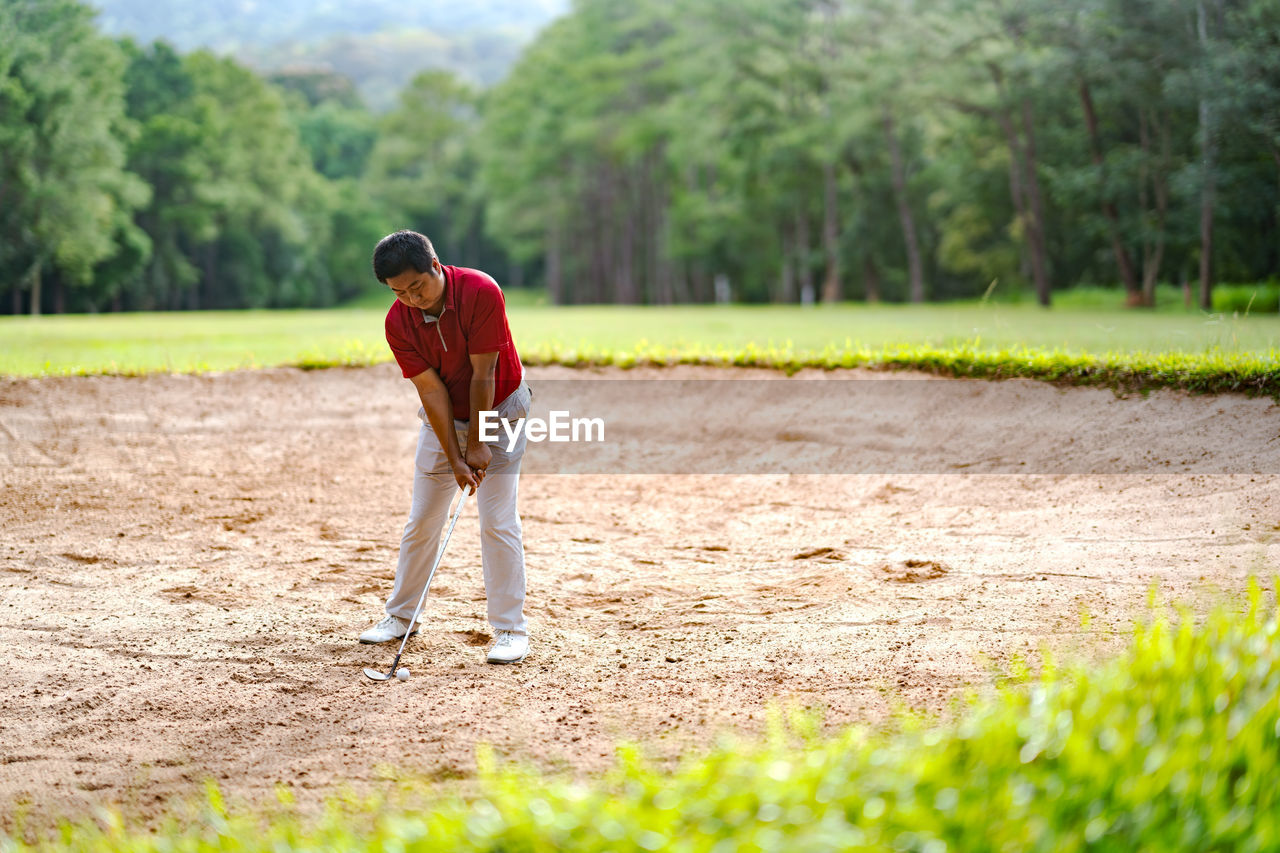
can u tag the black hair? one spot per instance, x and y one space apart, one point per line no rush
397 252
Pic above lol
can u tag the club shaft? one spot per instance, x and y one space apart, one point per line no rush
453 521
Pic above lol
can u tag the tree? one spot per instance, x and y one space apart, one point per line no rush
171 153
576 157
993 73
422 169
65 196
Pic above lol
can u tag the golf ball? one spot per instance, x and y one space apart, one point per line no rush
402 674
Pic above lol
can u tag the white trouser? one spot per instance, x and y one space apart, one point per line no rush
501 544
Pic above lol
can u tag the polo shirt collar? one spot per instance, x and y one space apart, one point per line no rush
450 303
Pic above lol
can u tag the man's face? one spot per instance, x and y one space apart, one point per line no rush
419 289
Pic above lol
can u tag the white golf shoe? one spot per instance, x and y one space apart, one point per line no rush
389 628
510 647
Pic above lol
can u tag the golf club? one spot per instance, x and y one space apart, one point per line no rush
389 674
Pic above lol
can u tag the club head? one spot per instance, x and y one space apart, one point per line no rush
374 675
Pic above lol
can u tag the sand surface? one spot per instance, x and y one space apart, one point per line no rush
185 563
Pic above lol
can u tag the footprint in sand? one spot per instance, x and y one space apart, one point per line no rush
912 571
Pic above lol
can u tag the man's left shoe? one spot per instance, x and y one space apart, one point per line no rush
510 647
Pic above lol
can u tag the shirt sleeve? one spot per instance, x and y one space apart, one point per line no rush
487 328
410 361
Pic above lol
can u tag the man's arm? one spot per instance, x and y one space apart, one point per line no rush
435 400
484 372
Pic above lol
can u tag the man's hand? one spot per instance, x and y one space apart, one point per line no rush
479 456
465 477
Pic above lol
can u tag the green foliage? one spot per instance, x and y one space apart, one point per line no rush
255 203
1171 746
339 139
892 150
1247 298
574 166
67 199
422 172
134 177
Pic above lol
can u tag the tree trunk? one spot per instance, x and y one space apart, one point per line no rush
1153 249
1022 208
1024 186
786 290
581 259
625 277
1039 252
602 285
830 235
1017 195
804 270
830 224
59 296
1123 263
870 279
473 240
206 289
915 270
594 226
671 280
1151 273
35 289
649 237
16 297
1207 186
677 278
701 283
1206 245
555 285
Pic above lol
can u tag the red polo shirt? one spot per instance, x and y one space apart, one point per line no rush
474 320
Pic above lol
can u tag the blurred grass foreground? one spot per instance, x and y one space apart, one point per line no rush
1172 746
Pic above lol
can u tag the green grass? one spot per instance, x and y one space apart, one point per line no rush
1129 349
1253 298
1172 746
186 341
1168 298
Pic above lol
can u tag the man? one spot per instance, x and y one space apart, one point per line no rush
449 333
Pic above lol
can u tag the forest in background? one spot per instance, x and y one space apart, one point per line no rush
661 152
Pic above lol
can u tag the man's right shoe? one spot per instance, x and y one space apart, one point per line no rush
509 647
389 628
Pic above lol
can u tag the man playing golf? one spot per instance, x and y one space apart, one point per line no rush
449 333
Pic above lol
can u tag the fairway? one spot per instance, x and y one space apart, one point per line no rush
217 341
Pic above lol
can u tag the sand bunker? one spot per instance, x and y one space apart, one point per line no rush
185 563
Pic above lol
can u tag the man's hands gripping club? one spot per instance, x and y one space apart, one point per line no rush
469 467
